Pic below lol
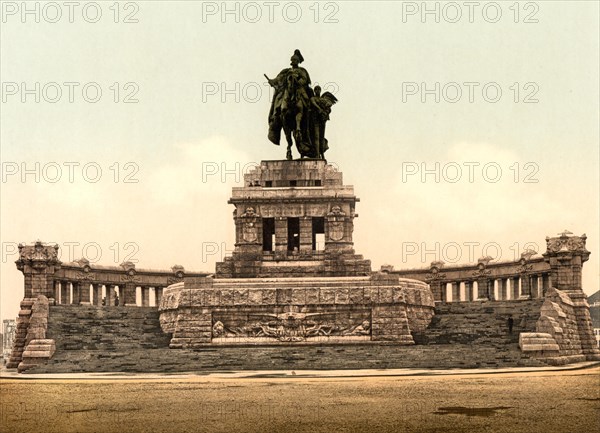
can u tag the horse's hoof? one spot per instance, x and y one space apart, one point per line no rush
288 156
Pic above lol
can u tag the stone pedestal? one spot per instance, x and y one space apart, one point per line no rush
294 219
338 310
566 255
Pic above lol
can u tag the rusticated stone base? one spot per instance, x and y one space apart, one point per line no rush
37 351
277 311
30 346
561 335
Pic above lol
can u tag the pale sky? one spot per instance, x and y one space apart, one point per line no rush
203 104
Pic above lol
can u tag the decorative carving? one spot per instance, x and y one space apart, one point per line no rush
85 274
130 278
434 272
291 326
249 225
482 271
38 256
335 219
179 271
566 243
528 254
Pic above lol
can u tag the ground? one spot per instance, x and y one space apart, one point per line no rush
539 401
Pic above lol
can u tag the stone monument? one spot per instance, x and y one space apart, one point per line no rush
294 276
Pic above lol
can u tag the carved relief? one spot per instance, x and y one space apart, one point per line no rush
335 220
249 226
481 271
566 243
434 272
291 326
38 256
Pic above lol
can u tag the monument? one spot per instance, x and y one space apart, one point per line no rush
294 279
294 275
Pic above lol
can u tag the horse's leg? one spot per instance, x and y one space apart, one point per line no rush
288 137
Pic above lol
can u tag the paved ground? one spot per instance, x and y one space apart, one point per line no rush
540 401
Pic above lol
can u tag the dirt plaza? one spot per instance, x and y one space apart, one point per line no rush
556 400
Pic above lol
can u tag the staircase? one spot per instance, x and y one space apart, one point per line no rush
483 326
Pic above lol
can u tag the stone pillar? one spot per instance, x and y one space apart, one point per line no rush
491 288
128 298
65 292
434 279
526 286
545 284
502 289
56 293
565 255
98 294
538 286
145 296
76 298
158 295
84 293
515 286
306 234
248 231
338 229
455 291
38 263
281 235
482 288
468 291
110 295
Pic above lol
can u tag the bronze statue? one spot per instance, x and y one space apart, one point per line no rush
299 110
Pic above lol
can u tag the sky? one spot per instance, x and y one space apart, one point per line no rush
466 130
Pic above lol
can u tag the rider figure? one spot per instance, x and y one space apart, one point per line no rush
291 91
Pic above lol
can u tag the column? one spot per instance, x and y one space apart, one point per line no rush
503 289
56 291
437 288
455 292
110 295
145 296
483 291
76 296
281 235
545 284
98 294
537 281
526 286
495 292
468 291
84 293
157 295
64 292
128 295
306 234
515 283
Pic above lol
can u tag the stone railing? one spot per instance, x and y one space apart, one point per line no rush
526 278
81 282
